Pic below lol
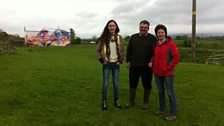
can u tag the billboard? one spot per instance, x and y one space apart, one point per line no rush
47 37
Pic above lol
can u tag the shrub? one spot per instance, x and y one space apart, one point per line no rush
78 40
187 42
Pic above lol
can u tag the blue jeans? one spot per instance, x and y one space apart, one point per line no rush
162 81
115 75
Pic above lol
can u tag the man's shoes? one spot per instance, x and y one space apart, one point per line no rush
159 112
130 104
145 106
170 117
146 99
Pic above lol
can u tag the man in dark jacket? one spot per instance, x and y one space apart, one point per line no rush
139 53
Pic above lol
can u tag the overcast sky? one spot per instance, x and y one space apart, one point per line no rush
89 17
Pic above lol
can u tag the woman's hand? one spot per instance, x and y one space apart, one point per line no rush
128 65
150 65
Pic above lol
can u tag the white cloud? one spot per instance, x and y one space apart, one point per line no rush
88 17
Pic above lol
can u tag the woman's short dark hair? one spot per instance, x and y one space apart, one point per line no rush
160 26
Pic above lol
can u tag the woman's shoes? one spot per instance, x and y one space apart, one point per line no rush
170 117
104 105
116 103
158 113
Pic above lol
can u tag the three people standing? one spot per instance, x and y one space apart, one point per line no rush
146 54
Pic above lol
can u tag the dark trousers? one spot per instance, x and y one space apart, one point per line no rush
135 72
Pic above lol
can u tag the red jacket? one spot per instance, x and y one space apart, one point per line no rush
166 57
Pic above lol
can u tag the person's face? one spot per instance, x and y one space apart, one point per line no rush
144 28
161 34
112 27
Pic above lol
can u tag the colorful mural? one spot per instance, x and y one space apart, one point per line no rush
46 38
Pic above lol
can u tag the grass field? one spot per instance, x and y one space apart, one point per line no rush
204 51
55 86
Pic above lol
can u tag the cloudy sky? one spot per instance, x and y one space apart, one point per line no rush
89 17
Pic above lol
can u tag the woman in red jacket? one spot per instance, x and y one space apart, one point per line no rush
166 57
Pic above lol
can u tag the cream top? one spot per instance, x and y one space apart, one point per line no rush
113 52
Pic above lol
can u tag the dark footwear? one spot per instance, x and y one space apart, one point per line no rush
159 112
130 104
104 105
132 98
146 99
145 106
116 103
170 117
104 108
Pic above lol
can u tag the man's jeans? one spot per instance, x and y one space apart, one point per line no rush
162 81
115 75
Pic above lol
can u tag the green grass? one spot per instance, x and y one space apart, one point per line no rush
204 44
179 43
56 86
205 49
215 44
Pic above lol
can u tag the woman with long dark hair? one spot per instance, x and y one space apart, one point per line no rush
110 55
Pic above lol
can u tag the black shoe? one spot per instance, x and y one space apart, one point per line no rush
145 106
128 105
104 105
116 103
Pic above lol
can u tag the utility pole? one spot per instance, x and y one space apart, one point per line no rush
193 43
